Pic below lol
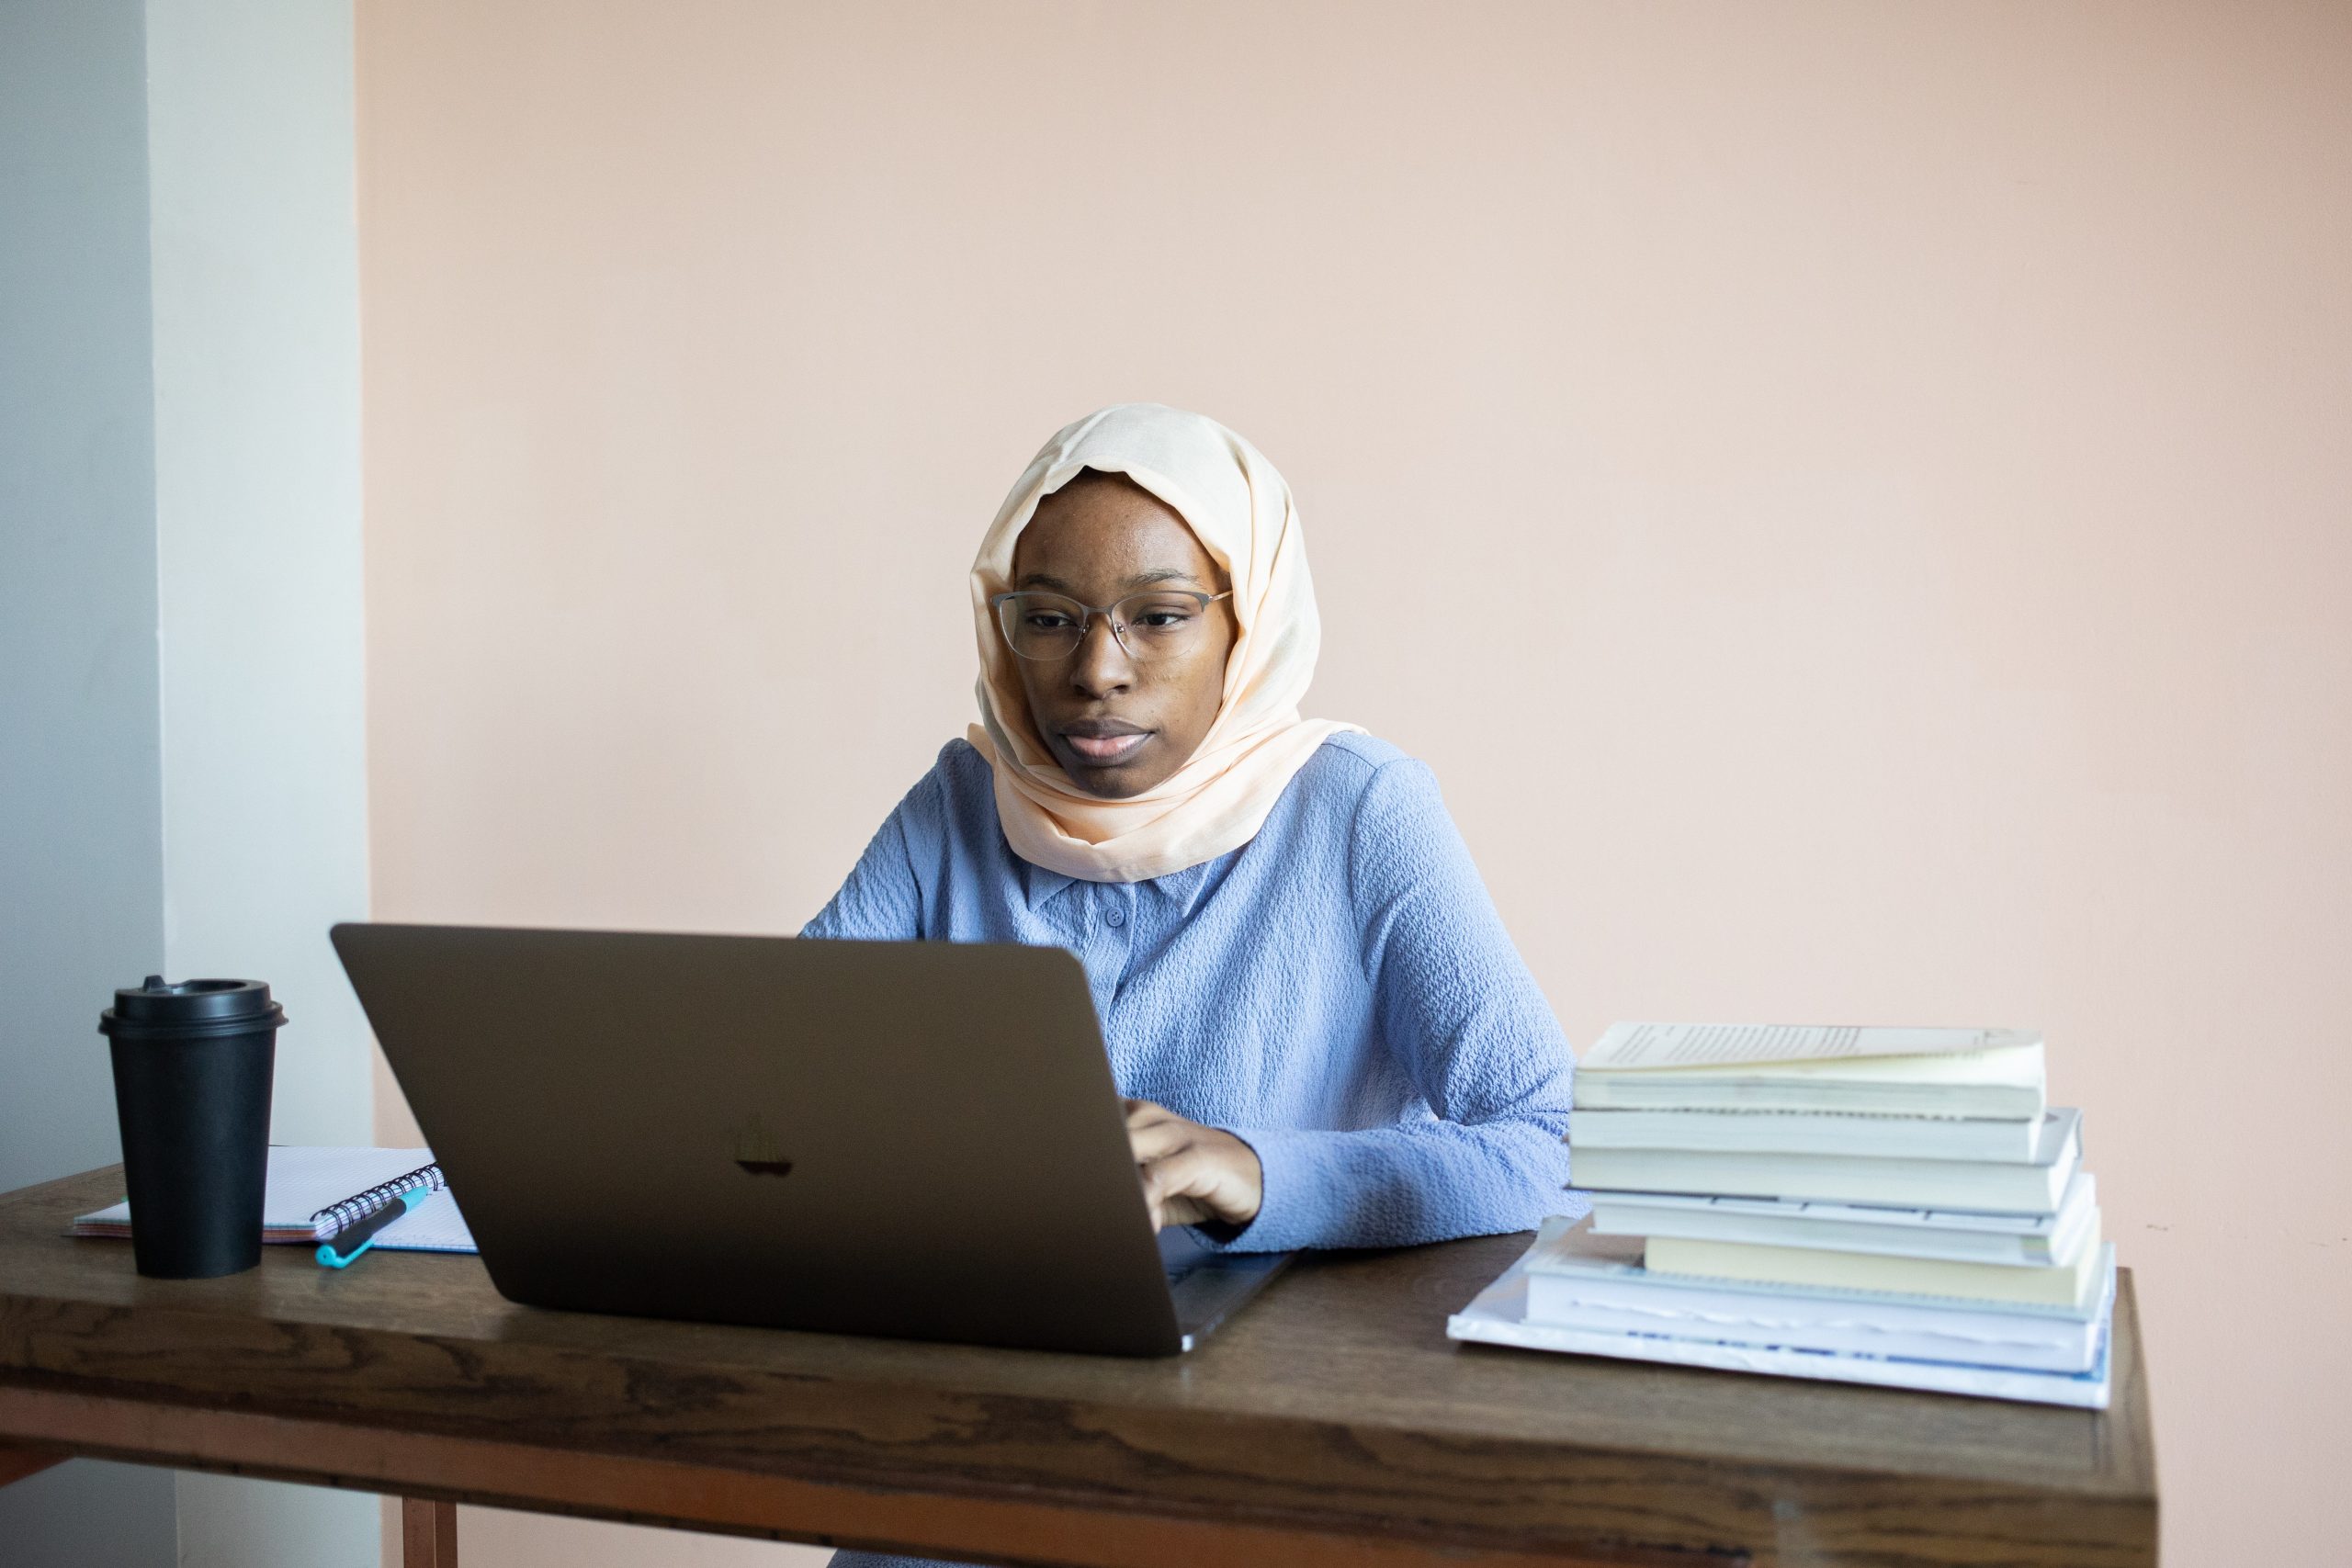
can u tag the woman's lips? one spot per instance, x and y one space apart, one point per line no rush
1105 742
1104 749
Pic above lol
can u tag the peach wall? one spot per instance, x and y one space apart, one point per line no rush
1850 499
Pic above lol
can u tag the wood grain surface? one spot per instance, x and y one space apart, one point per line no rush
1332 1411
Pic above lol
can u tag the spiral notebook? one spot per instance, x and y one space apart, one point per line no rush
313 1192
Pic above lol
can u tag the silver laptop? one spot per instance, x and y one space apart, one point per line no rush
914 1139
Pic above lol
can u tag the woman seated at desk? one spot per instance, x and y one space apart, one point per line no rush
1325 1035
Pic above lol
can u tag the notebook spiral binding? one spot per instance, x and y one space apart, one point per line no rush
336 1217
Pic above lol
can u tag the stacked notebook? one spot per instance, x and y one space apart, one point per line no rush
1894 1206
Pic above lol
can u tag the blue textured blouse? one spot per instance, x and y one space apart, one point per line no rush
1338 993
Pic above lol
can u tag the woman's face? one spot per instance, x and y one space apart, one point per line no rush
1118 726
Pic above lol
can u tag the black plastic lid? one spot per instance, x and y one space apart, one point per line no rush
190 1007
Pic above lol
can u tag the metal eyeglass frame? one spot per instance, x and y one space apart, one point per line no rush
1118 628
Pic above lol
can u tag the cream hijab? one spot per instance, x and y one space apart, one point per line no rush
1241 512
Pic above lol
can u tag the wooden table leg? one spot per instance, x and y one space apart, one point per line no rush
16 1463
428 1534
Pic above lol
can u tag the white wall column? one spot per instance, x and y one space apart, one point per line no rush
181 690
81 856
256 365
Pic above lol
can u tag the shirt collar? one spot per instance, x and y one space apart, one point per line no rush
1183 888
1041 886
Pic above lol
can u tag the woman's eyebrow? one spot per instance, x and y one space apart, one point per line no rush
1140 580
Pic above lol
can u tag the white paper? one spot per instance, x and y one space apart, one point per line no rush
1580 1268
434 1226
303 1179
1649 1047
2033 1189
1498 1317
1960 1236
1820 1132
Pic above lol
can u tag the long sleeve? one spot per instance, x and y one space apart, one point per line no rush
1465 1021
882 900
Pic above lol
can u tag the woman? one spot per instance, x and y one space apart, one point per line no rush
1327 1036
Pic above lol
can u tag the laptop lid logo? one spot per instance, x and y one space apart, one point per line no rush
757 1153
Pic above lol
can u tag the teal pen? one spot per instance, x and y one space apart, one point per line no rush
363 1232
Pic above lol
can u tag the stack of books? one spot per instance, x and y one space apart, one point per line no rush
1894 1206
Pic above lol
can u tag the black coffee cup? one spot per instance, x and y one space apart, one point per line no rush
192 1066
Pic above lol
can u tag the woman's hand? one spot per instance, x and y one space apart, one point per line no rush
1193 1173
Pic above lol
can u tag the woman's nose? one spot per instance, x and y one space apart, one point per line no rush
1100 666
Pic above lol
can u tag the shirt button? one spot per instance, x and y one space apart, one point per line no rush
1116 919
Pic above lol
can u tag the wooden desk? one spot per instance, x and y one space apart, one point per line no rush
1331 1423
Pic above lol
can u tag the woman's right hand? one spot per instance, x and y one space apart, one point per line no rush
1193 1173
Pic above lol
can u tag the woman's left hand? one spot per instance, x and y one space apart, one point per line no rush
1193 1173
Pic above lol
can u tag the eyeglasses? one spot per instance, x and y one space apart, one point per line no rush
1158 625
